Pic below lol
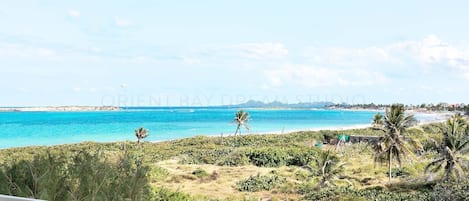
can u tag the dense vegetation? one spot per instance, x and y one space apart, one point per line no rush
462 108
247 167
259 182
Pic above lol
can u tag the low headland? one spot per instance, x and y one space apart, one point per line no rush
59 109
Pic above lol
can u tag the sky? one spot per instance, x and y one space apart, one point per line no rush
212 52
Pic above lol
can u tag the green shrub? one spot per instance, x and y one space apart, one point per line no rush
158 173
399 172
235 158
319 194
301 156
163 194
451 190
205 156
305 187
200 173
328 135
434 128
258 183
86 176
268 157
377 194
264 156
429 145
43 177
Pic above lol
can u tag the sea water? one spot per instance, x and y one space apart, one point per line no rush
19 129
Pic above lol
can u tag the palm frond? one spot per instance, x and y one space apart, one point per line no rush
433 163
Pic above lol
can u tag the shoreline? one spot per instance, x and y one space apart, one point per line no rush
60 109
333 128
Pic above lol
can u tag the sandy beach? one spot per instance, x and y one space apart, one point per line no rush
59 109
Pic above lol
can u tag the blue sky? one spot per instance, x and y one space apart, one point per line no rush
192 53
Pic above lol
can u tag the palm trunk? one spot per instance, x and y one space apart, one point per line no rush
323 182
236 132
389 165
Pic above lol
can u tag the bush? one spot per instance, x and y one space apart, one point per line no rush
258 183
321 194
429 145
451 190
268 157
235 158
263 157
161 194
158 173
279 156
434 128
199 173
399 172
86 176
42 177
305 187
205 156
377 194
301 156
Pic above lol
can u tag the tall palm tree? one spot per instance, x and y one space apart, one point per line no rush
453 149
241 118
378 120
141 133
326 166
393 145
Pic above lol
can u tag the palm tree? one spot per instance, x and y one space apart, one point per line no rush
141 133
393 145
241 118
326 166
378 120
453 149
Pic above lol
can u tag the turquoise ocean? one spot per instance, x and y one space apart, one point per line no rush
18 129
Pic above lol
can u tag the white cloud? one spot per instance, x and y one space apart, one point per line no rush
242 55
85 89
263 50
348 56
122 22
27 52
432 52
96 49
191 61
428 54
338 66
312 76
74 13
76 89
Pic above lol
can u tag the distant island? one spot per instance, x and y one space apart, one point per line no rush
430 107
59 108
278 104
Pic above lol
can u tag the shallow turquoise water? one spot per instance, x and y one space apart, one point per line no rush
49 128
